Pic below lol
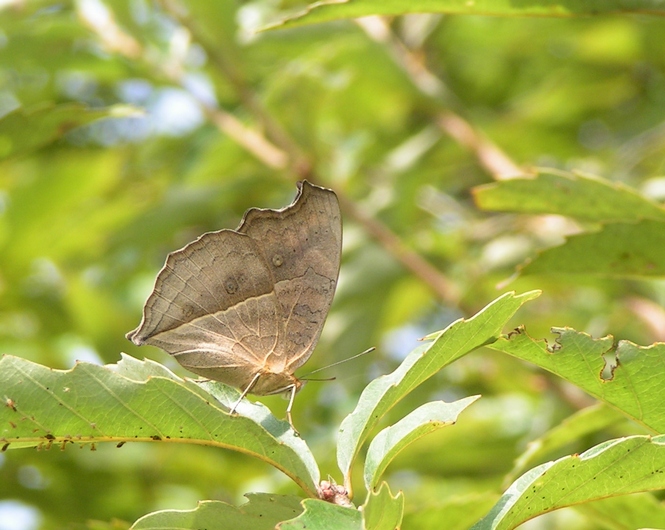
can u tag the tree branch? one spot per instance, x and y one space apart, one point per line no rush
489 155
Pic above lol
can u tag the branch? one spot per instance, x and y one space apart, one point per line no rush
252 141
274 130
489 155
444 288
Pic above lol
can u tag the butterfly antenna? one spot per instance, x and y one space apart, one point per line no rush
335 364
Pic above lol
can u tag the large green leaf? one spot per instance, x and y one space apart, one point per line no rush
325 11
627 512
261 512
617 250
460 338
390 441
575 195
92 404
584 422
616 467
456 512
633 384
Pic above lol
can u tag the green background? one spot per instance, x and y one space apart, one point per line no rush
111 156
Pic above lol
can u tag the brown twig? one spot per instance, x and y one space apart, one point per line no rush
252 141
117 41
245 93
445 289
489 155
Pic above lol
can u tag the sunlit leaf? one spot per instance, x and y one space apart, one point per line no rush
616 467
629 380
94 404
617 250
390 441
575 195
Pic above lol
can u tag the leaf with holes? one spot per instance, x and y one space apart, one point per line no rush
631 381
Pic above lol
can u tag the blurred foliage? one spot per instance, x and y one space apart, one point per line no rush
89 210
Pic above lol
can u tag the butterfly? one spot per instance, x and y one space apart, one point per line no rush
246 307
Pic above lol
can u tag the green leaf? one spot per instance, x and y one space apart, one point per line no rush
460 338
327 10
261 415
22 131
390 441
633 387
382 511
320 515
618 250
584 422
90 404
228 396
458 512
139 371
639 510
261 512
616 467
575 195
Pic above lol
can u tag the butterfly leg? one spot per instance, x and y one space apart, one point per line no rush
247 390
293 388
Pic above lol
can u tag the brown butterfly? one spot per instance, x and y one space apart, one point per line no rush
246 307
